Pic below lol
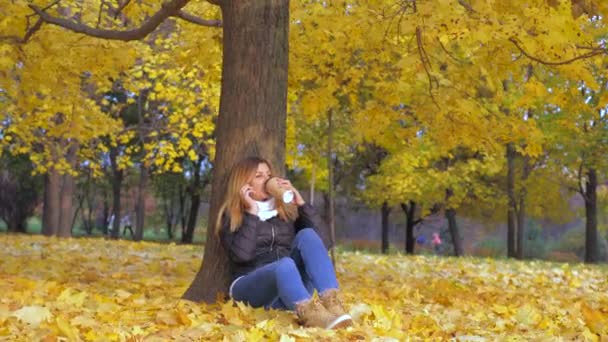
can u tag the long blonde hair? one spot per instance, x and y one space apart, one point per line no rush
234 205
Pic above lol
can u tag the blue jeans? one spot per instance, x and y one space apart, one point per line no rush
289 280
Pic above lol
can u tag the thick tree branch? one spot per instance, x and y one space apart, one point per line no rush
197 20
594 52
168 9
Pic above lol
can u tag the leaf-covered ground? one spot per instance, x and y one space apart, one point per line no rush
97 290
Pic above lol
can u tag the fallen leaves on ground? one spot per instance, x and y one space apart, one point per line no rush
98 290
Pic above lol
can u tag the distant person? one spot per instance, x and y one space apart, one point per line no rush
277 257
126 225
421 240
110 225
436 242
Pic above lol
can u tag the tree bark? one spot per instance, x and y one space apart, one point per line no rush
16 226
521 210
385 212
66 197
169 217
195 202
511 247
331 185
141 203
591 235
410 222
51 208
252 116
117 176
450 215
106 213
183 212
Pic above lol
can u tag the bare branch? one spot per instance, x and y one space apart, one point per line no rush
426 64
168 9
103 3
467 6
120 8
594 52
197 20
30 32
447 52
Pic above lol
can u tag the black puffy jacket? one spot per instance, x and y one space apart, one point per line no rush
257 243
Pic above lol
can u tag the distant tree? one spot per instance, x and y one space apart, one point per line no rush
19 191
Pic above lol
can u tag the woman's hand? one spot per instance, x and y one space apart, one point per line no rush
297 198
252 207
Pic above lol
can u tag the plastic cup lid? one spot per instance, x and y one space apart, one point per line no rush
287 196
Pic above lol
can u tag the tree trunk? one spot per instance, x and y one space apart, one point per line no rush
117 176
66 206
325 212
521 210
385 211
312 185
252 116
450 215
106 213
140 215
169 217
183 213
195 202
409 211
16 226
66 218
511 248
591 236
51 209
331 185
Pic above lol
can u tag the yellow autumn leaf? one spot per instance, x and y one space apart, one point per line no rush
33 315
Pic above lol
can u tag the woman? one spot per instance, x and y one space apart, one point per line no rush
277 257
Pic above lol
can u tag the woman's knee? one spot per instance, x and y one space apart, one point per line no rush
286 265
307 234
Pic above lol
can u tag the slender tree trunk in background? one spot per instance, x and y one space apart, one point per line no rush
79 207
252 117
450 215
16 226
51 209
140 215
454 232
106 213
385 212
511 248
591 235
66 205
183 212
66 197
330 179
410 241
521 210
325 213
312 185
195 202
88 218
169 217
117 176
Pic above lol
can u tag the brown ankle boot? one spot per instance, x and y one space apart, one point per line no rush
313 314
332 302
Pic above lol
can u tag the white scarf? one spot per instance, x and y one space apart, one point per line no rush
266 209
